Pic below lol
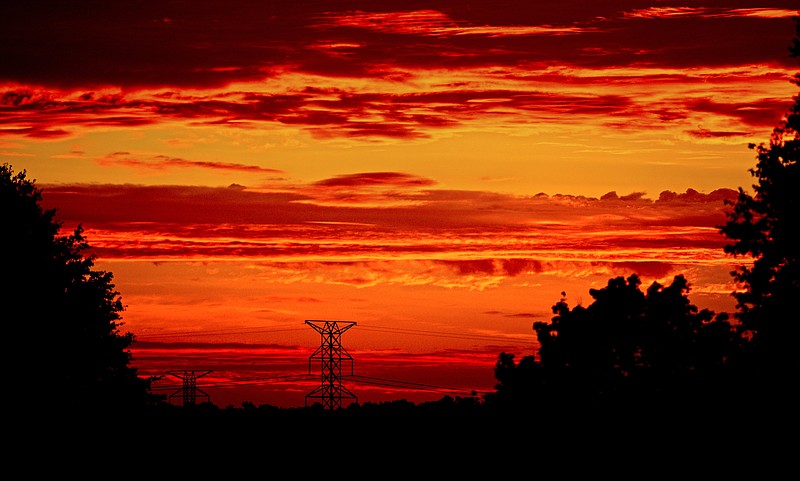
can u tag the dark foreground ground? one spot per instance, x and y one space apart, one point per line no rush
646 442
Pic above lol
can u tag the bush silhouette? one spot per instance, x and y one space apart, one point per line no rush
627 347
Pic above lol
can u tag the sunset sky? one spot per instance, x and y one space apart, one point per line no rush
437 172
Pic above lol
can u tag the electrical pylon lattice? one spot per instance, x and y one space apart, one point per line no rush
189 389
330 353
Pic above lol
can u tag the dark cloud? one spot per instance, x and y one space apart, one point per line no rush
472 267
382 129
163 162
508 267
155 43
716 196
334 112
36 132
513 267
633 196
209 43
716 134
650 269
375 178
764 113
34 113
494 230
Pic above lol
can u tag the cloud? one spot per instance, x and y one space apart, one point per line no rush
662 12
210 45
368 188
481 266
503 267
513 267
716 134
525 315
7 153
424 211
497 97
764 113
650 269
693 196
435 23
453 239
36 132
368 179
163 162
633 196
709 12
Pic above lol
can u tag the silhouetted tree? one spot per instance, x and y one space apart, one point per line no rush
657 345
627 345
61 316
518 386
765 226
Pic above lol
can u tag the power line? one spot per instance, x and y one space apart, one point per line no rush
397 330
421 332
377 381
357 378
413 385
243 382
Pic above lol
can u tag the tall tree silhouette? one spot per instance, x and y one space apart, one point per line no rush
61 316
765 227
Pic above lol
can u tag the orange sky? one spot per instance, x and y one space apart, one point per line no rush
437 172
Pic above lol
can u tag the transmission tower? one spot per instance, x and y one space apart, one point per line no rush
330 354
189 389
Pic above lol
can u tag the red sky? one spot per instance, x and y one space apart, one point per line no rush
436 172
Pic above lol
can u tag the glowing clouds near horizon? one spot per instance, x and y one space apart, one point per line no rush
188 249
